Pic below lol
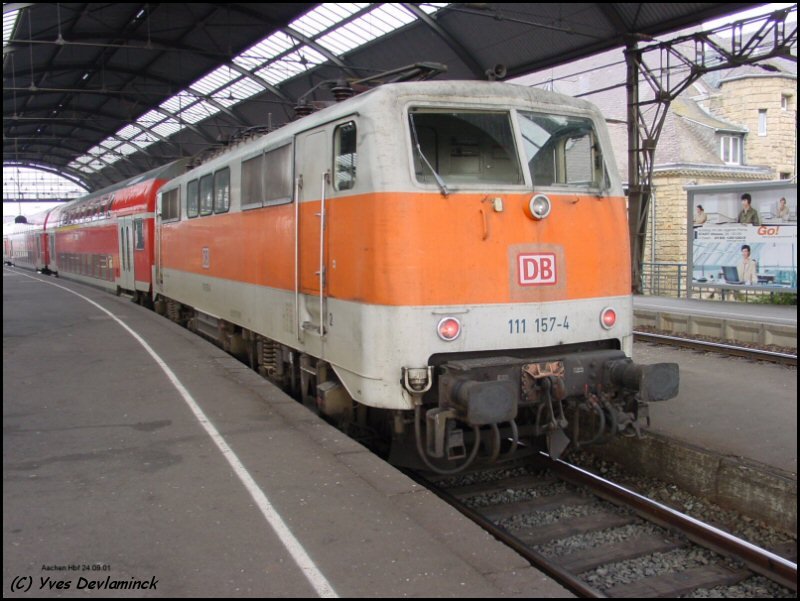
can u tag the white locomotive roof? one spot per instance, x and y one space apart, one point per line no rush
477 93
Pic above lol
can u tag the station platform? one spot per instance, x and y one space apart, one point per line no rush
740 322
162 462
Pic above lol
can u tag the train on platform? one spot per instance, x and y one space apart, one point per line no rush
443 265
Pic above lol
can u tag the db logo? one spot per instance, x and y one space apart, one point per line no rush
537 269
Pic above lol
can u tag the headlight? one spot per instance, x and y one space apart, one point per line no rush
539 206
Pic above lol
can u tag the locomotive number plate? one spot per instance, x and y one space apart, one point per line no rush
540 325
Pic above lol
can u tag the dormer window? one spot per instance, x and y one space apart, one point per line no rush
731 149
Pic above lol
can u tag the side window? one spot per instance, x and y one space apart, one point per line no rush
222 191
252 181
206 194
139 234
278 175
170 205
345 156
192 199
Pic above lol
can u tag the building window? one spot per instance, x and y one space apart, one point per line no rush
762 122
731 150
786 101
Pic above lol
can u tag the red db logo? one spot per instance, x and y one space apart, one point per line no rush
537 269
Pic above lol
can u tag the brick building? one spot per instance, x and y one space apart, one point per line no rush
738 125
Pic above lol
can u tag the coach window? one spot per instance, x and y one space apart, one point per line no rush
170 205
192 199
222 191
206 194
139 234
278 175
345 156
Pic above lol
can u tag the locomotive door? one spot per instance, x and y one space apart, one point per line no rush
312 177
127 275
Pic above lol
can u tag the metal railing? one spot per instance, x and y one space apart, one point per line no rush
664 279
669 279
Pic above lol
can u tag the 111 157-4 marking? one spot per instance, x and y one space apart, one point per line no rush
539 325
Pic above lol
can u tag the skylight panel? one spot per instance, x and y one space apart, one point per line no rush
324 17
214 81
376 23
198 111
151 118
167 127
235 93
178 102
9 23
290 65
110 143
127 132
267 49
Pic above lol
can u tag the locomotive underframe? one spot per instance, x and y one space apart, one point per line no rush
485 405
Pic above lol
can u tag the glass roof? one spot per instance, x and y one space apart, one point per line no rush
311 40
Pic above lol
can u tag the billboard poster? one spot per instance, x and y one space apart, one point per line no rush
743 236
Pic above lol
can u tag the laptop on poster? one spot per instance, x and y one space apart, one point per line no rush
731 274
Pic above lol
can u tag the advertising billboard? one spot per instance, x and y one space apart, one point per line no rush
743 236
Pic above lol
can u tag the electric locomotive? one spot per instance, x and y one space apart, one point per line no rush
446 263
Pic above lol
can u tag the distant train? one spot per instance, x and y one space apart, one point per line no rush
444 265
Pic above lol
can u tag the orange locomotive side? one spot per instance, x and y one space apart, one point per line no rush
401 249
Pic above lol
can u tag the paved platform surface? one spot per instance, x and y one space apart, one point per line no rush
777 314
747 323
109 471
729 405
110 475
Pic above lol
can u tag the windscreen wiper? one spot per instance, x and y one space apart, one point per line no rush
436 176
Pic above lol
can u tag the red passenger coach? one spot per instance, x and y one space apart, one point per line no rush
106 238
26 244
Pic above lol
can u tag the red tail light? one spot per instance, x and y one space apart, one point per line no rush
608 317
449 329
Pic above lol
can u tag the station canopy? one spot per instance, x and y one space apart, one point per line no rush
101 92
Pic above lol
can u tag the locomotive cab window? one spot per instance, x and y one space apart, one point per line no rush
345 156
464 147
562 151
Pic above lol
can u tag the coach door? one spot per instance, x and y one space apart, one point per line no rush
312 177
127 276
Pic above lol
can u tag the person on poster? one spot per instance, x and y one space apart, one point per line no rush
748 267
700 216
748 214
783 210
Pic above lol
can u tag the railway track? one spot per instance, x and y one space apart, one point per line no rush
733 350
600 540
